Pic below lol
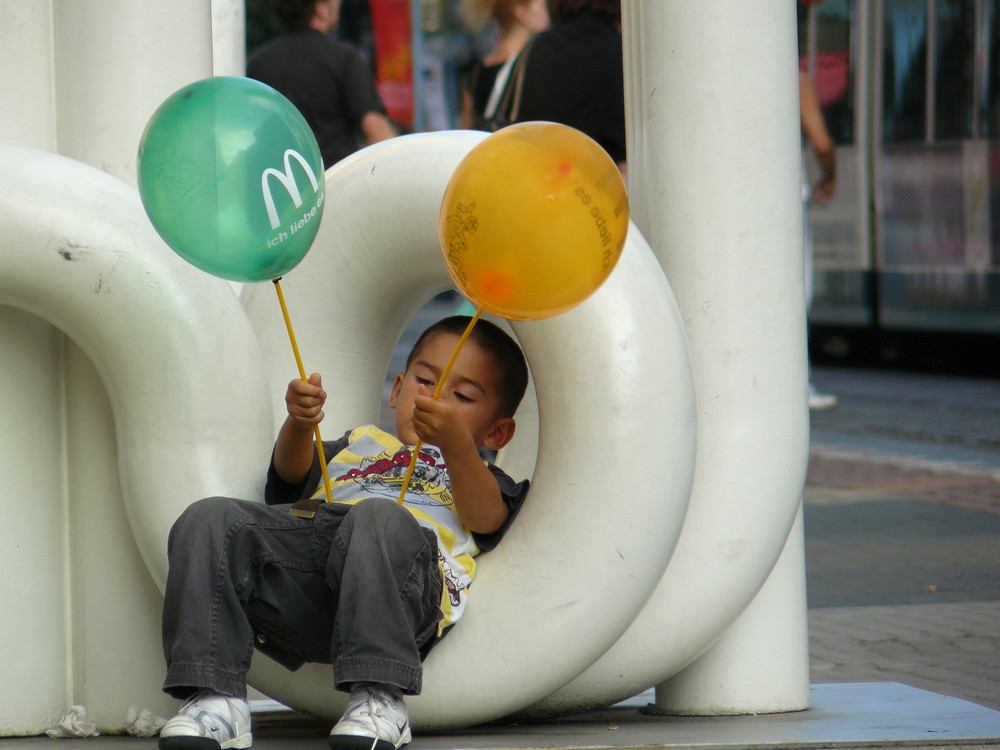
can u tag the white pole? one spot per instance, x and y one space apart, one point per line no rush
115 62
229 57
714 164
761 663
26 74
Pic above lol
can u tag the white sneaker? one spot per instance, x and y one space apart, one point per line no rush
819 400
208 721
375 719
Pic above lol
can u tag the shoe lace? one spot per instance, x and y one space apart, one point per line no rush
378 708
195 697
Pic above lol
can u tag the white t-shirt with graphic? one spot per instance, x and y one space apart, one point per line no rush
372 463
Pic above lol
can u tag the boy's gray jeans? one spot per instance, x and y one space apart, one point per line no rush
358 586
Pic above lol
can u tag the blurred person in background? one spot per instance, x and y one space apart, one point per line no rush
517 21
573 73
817 139
327 79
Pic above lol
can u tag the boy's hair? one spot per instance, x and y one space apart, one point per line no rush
512 370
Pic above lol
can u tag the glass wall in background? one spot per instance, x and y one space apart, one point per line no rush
989 85
904 70
954 68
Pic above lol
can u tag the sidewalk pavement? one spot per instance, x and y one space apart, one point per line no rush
916 602
846 716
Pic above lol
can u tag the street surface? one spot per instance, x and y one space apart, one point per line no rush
902 522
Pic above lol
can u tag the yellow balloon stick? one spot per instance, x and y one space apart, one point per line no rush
437 393
302 374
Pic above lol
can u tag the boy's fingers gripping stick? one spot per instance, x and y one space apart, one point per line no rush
296 511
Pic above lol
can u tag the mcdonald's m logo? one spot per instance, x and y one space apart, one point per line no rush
287 181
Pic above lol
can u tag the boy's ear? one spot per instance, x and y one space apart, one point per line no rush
397 385
500 435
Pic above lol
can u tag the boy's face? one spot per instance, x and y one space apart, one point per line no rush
470 389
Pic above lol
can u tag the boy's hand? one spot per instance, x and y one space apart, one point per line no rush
304 400
437 422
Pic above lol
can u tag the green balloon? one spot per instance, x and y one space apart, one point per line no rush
232 178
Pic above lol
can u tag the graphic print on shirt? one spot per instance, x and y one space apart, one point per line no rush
373 465
382 476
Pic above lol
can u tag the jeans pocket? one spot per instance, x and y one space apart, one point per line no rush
431 589
271 637
290 615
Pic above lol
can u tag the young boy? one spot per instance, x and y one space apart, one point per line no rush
367 584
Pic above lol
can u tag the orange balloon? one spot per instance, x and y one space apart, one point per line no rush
533 220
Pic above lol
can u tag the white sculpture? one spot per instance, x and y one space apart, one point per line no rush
157 345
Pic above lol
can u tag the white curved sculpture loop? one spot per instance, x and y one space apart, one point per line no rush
596 533
77 250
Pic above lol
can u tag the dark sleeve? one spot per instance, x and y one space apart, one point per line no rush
513 494
360 93
279 492
577 79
